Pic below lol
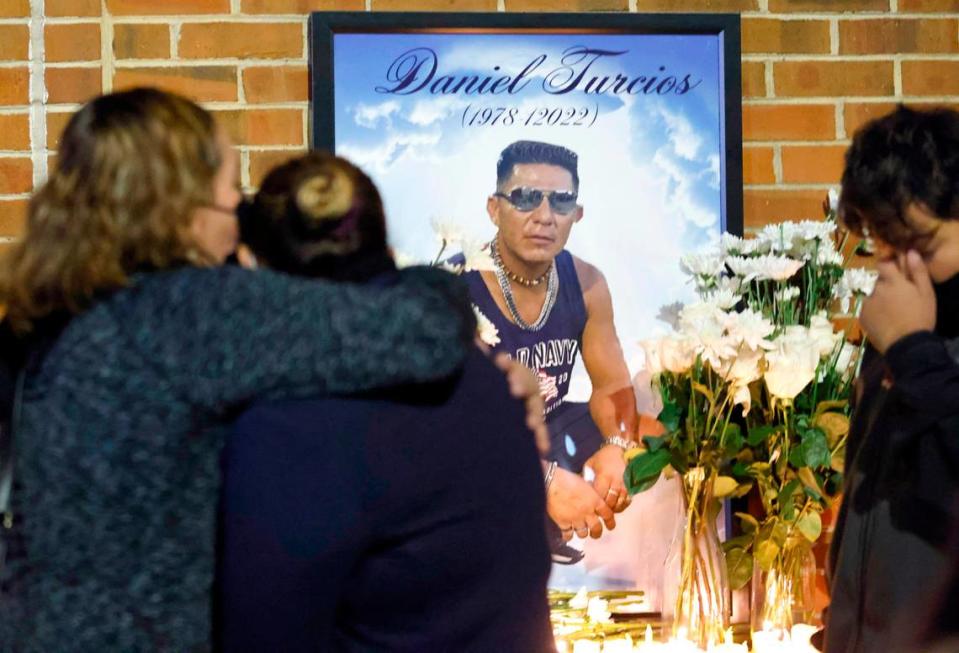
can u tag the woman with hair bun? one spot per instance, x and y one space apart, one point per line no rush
140 349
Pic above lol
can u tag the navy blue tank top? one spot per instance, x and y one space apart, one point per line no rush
550 352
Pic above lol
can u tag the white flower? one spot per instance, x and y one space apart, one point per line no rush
477 256
822 333
654 362
854 282
828 255
446 231
787 294
791 366
833 196
816 230
723 298
744 367
750 328
847 360
743 397
677 353
487 331
777 268
702 264
581 600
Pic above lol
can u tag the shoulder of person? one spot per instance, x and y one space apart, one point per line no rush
591 280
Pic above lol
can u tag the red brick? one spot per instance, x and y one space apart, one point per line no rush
162 7
56 123
930 77
60 8
14 86
78 42
276 84
813 164
263 161
510 5
141 41
16 175
199 83
754 79
772 122
15 9
263 126
892 36
833 78
260 40
920 6
14 42
14 131
761 207
299 6
697 5
833 6
785 36
73 85
13 217
857 114
758 165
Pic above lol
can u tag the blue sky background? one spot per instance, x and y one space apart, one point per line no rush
650 166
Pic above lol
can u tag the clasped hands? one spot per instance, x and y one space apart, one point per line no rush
903 301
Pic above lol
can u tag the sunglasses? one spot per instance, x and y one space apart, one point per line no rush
527 199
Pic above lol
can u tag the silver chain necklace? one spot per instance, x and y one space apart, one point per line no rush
552 284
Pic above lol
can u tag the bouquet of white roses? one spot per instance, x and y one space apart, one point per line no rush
755 380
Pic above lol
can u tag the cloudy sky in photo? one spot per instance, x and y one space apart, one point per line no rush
650 165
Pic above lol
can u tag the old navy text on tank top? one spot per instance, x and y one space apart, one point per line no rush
550 352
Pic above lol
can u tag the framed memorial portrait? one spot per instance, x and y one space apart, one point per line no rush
649 104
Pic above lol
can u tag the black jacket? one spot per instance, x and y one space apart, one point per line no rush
891 549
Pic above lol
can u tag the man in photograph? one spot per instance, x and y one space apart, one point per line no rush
550 307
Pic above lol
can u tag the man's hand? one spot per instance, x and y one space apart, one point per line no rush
903 301
609 465
574 505
523 385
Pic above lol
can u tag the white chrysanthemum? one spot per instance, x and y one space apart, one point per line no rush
477 256
777 268
828 255
787 294
779 237
815 230
446 231
677 353
823 334
669 313
750 328
847 360
487 331
854 282
702 264
723 298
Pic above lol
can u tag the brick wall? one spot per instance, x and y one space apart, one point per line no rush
812 71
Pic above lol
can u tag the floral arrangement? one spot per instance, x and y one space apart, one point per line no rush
755 380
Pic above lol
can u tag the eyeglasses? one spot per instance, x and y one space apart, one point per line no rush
526 199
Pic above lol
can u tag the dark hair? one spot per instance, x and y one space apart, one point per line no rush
535 152
906 157
320 216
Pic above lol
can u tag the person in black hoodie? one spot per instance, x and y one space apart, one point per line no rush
890 552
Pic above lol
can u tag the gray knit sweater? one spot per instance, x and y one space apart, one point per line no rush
117 451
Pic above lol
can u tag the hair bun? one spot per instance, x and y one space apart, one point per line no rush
325 196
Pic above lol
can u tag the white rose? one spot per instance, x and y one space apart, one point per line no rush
791 366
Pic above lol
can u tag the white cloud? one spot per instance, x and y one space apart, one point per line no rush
427 112
371 115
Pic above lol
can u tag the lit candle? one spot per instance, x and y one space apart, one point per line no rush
728 645
586 646
681 644
770 640
648 645
618 646
562 646
801 635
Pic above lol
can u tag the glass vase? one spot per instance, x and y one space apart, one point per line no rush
784 596
695 588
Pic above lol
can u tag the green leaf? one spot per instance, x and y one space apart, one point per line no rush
796 457
654 442
738 542
739 568
670 415
810 525
815 449
788 490
733 439
759 434
766 553
809 479
749 522
643 471
724 486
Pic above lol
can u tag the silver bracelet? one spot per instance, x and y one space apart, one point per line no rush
619 441
548 474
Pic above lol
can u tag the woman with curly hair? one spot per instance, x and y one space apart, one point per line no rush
149 349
